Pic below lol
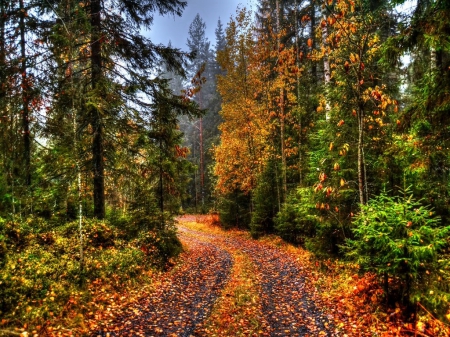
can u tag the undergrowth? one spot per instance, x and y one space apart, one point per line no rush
48 288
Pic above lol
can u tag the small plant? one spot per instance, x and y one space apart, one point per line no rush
399 239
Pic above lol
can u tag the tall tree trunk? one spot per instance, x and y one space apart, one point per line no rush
360 159
25 99
362 177
202 167
161 183
79 184
282 114
96 119
326 65
312 36
195 173
297 61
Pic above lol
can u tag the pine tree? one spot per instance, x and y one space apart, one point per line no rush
200 66
116 41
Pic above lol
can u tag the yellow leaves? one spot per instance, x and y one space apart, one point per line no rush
342 182
354 58
344 149
331 146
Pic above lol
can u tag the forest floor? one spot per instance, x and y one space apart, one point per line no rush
227 284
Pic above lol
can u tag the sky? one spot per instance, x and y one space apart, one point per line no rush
175 29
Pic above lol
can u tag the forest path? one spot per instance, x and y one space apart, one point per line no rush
226 284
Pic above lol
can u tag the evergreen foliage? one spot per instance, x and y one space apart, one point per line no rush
400 239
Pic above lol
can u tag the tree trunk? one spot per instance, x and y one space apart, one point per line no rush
297 61
195 173
312 36
25 99
282 115
161 183
96 119
202 163
326 67
362 183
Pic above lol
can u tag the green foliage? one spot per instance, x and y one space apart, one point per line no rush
158 239
265 199
399 238
41 267
297 221
234 210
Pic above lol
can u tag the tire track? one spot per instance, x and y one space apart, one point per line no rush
289 302
182 301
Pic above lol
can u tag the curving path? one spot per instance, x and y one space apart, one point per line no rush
184 300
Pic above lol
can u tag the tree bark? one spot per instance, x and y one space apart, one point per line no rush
326 67
362 178
202 165
95 114
282 115
161 182
312 36
25 98
297 61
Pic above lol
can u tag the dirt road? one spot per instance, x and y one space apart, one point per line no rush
183 302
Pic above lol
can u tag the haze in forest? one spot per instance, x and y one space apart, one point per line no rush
175 29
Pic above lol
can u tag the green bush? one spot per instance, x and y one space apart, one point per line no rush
400 239
160 241
265 202
234 209
41 267
297 221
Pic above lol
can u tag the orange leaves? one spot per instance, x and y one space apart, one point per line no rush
306 18
346 66
376 95
310 43
181 151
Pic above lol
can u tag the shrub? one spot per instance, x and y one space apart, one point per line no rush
234 210
297 221
265 202
400 239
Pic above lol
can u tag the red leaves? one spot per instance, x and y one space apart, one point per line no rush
376 95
